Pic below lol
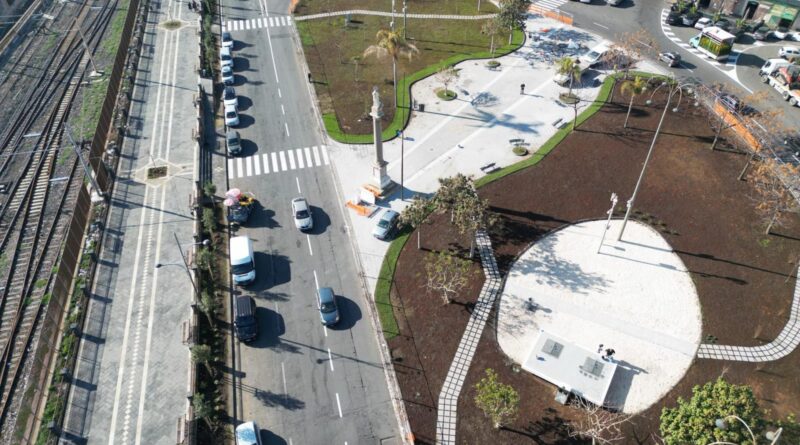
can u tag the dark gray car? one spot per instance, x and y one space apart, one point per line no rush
328 310
245 318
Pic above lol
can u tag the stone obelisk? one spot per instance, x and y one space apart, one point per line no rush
379 177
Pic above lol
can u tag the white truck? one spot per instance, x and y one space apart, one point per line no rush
784 77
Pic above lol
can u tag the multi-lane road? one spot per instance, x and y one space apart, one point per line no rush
301 382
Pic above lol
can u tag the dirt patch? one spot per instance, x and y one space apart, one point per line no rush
690 194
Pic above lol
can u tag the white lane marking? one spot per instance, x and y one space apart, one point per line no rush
249 164
257 165
279 93
275 162
330 359
271 51
282 155
283 373
289 20
339 404
287 128
602 26
230 168
298 184
308 238
325 155
282 110
300 163
325 330
315 279
290 154
308 156
317 162
239 167
266 163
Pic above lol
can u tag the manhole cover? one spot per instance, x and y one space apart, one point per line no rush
156 172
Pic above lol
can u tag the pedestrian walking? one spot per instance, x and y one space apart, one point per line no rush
522 89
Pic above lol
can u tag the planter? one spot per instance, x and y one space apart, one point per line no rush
519 150
569 99
443 94
492 64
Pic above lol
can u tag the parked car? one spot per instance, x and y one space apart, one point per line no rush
226 56
762 33
673 18
789 52
244 320
326 303
227 40
233 142
690 19
793 36
781 33
386 225
229 97
694 41
248 434
614 2
724 24
585 1
231 116
703 23
227 75
672 59
302 214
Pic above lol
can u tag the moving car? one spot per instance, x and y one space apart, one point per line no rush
244 320
233 142
694 41
326 303
226 56
248 434
231 116
227 75
789 52
302 214
703 23
672 59
386 225
227 40
229 96
594 56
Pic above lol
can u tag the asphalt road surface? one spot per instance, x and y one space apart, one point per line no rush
302 383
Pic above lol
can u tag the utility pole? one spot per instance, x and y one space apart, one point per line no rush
86 168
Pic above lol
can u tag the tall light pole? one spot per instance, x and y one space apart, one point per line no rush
405 13
674 87
185 264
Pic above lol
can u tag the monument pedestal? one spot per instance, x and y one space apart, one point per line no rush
380 179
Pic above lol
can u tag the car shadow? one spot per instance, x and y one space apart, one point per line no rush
249 148
270 438
241 64
239 80
245 120
321 221
245 102
271 270
349 314
748 59
263 217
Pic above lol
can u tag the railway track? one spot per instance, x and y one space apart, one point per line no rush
31 222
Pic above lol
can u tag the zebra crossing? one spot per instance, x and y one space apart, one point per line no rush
259 23
551 5
275 162
730 62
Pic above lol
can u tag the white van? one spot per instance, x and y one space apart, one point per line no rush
243 263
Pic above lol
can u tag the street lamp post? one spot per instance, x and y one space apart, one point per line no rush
674 88
185 265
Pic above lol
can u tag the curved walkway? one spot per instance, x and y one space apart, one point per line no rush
783 345
300 18
448 398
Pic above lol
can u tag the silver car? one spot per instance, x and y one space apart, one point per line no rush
326 302
386 225
302 214
248 434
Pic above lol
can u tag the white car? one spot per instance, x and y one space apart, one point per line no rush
226 56
780 33
227 75
703 23
793 36
789 52
302 214
593 57
248 434
227 40
231 116
229 97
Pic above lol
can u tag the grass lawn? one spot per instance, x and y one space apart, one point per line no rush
344 80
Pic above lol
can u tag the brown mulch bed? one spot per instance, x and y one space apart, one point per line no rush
690 194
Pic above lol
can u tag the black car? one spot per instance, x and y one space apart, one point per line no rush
690 19
245 318
673 18
736 105
672 59
724 24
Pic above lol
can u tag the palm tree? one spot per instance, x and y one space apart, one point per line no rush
634 88
392 44
571 68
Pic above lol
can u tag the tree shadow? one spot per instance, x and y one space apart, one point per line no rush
271 399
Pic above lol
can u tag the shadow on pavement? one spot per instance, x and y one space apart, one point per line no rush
349 314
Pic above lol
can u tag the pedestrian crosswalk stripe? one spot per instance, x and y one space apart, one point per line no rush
271 22
260 23
265 22
290 159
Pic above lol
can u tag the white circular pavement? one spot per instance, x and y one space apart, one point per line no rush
635 297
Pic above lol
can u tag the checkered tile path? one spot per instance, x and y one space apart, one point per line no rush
783 345
448 398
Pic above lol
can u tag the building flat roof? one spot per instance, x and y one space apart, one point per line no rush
571 367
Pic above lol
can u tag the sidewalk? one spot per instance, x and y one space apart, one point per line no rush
131 380
465 134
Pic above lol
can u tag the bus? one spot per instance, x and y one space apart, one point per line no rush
716 43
